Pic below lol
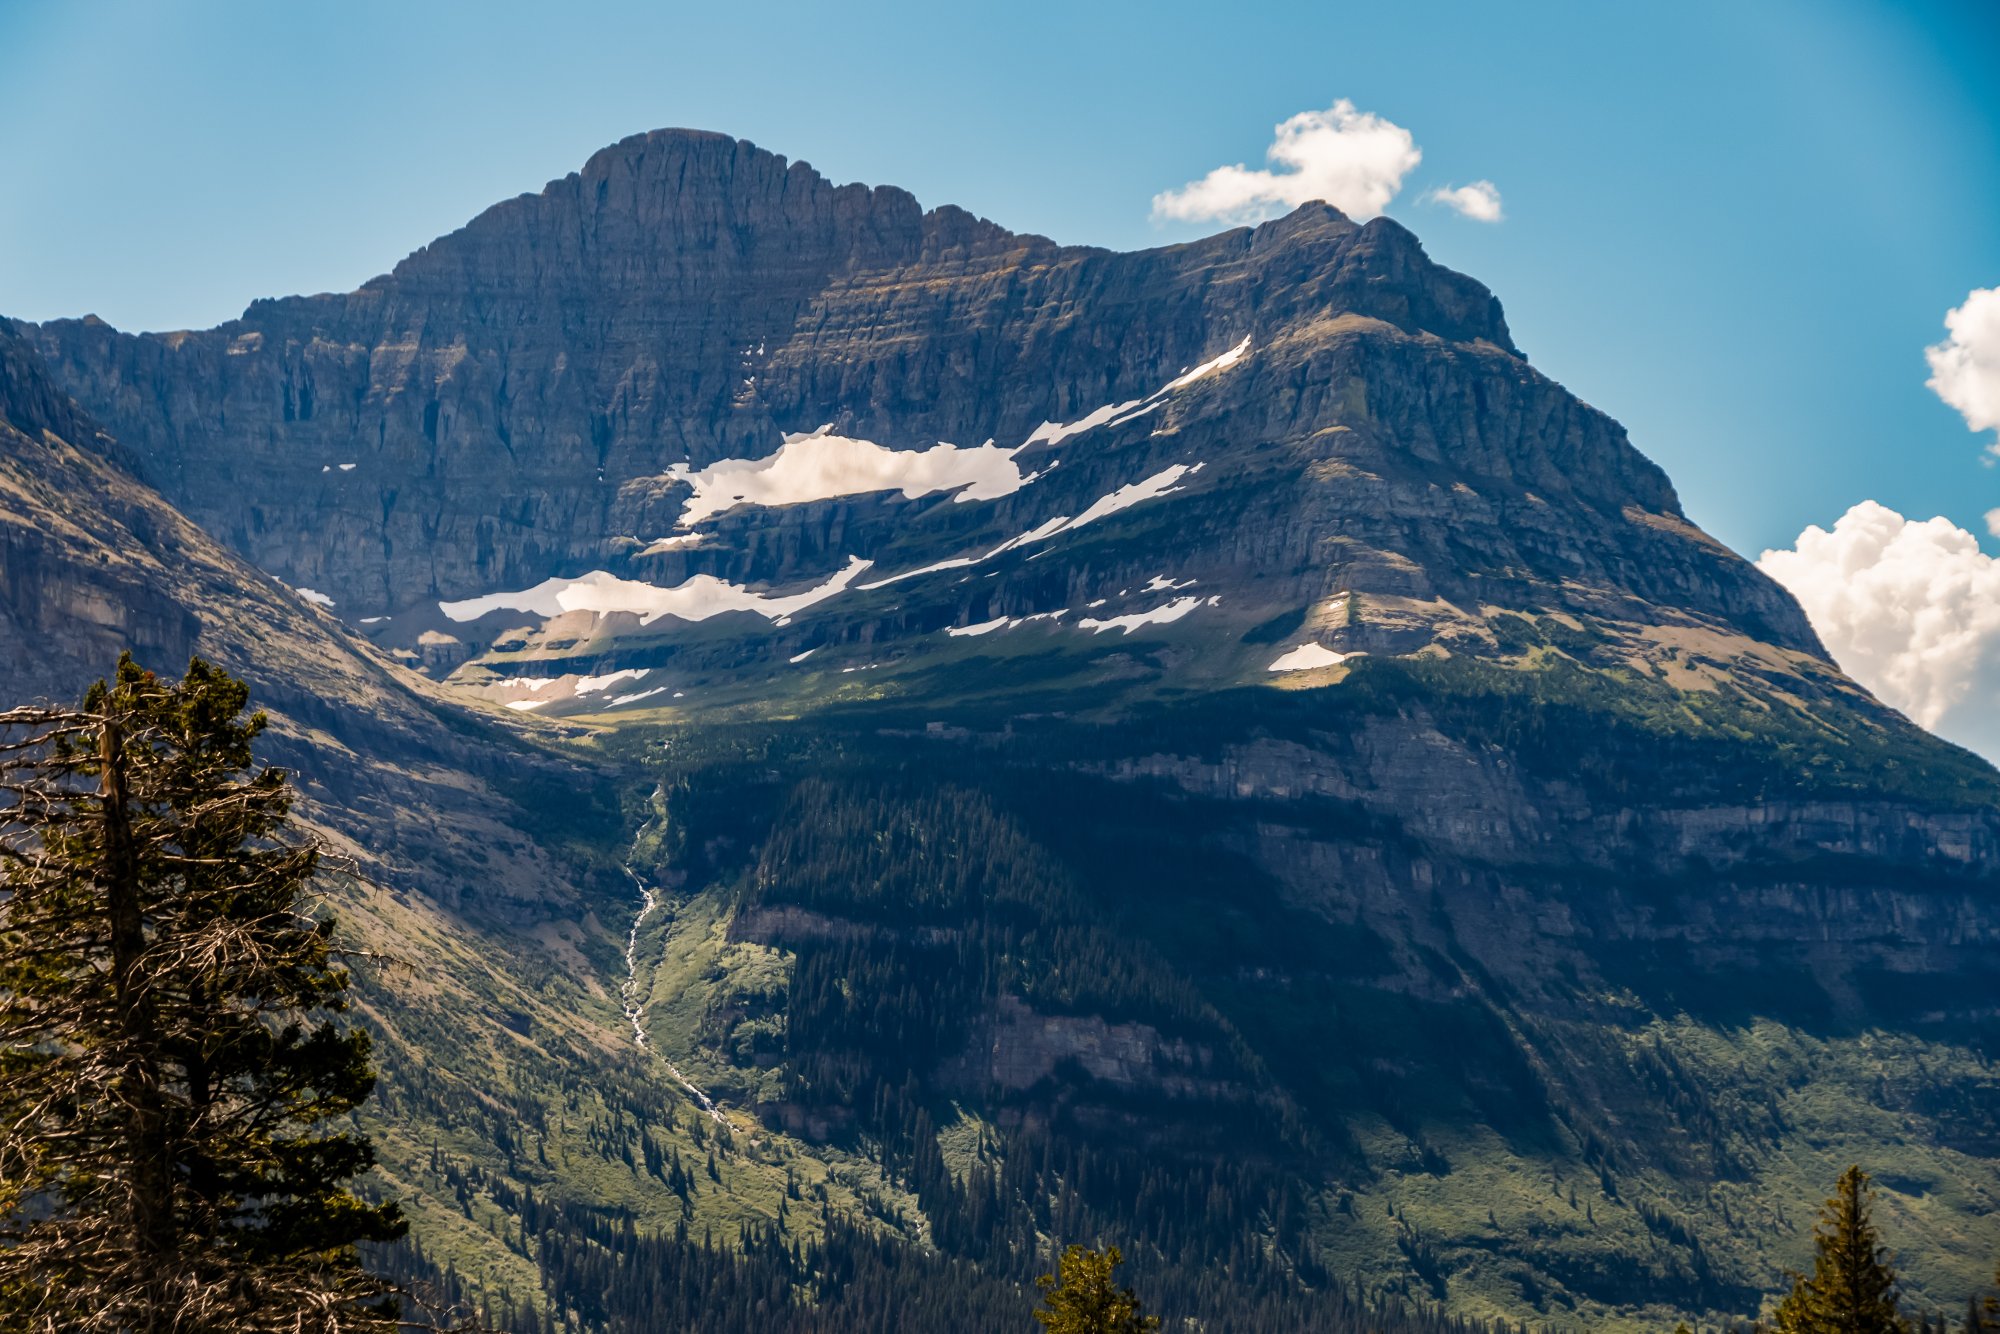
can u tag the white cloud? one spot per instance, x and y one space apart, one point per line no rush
1354 160
1910 610
1479 201
1965 368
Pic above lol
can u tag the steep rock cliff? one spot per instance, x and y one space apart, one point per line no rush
527 398
93 563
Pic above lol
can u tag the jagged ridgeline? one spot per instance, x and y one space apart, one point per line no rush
1206 750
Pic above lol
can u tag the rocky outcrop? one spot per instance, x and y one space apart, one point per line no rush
93 563
1477 802
1019 1049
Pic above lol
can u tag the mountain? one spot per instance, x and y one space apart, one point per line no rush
1206 748
1310 416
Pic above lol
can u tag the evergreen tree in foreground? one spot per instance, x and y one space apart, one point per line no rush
1852 1289
1084 1300
171 1064
1982 1313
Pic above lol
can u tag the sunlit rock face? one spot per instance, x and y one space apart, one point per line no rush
704 382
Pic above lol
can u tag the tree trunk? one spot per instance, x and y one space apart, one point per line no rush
152 1199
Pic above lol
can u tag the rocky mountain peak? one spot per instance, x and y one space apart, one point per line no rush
695 367
1316 259
673 214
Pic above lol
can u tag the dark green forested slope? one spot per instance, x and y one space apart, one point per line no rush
1162 981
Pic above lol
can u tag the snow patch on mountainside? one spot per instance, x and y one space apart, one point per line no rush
1117 414
590 685
1164 614
697 599
1125 497
1307 657
1207 368
1050 433
823 466
1161 483
1003 623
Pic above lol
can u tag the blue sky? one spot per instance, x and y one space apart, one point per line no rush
1735 226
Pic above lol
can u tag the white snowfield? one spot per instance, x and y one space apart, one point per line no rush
314 596
1307 657
1036 534
1003 623
1125 497
590 685
1054 433
1159 484
697 599
822 466
1164 614
1117 414
1207 368
577 687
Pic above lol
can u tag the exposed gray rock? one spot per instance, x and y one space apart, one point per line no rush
506 404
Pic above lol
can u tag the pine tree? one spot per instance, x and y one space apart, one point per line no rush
1085 1301
1982 1314
1852 1289
173 1071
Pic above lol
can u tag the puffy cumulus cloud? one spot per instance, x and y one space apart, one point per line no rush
1354 160
1910 610
1965 368
1479 201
